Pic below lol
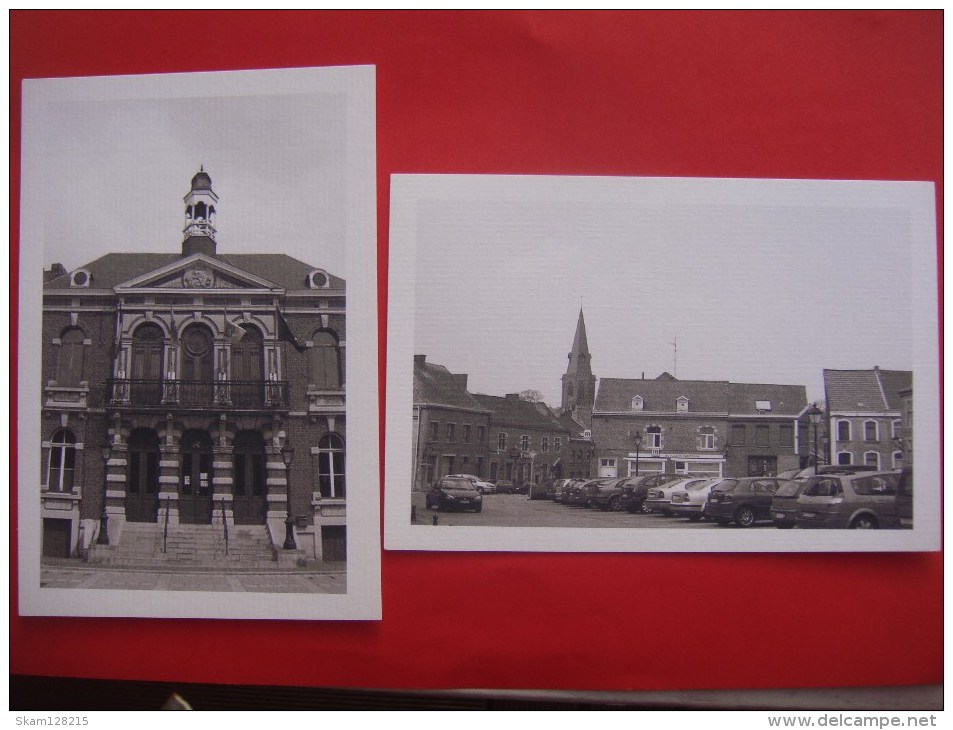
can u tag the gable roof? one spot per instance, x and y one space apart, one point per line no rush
116 268
571 424
512 411
865 391
785 400
436 386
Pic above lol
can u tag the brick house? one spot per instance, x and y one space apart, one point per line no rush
527 443
176 387
688 426
450 428
864 416
576 460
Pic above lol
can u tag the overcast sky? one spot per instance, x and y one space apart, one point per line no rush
767 292
116 171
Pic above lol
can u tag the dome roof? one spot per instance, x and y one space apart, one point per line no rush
201 181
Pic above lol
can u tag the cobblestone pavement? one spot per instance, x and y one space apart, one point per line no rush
515 510
82 575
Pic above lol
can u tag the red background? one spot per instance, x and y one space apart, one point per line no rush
735 94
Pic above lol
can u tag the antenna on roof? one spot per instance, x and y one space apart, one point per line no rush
674 344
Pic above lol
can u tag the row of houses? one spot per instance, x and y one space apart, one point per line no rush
632 426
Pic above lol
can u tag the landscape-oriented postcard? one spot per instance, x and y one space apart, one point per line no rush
662 364
197 361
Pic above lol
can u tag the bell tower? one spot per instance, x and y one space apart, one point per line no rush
200 204
579 384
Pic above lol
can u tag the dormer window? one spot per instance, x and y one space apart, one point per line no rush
762 406
80 279
318 279
637 403
681 405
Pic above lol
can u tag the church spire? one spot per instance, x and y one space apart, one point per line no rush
579 384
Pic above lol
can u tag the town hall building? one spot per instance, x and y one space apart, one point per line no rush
193 404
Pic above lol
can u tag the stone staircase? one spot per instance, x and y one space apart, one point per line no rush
190 547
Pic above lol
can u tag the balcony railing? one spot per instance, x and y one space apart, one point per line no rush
237 394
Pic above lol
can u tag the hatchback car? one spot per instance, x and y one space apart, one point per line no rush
454 493
559 488
784 503
482 486
856 501
578 494
636 489
689 500
742 501
607 495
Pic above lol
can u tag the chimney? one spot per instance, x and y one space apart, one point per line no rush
56 270
512 396
420 360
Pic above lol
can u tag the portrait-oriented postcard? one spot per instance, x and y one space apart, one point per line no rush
197 359
638 364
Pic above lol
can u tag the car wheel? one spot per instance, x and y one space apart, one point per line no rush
479 508
863 522
694 518
644 508
615 504
744 517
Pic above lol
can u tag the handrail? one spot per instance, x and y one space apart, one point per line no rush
165 529
198 393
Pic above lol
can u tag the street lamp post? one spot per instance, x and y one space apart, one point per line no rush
814 414
288 455
103 538
637 437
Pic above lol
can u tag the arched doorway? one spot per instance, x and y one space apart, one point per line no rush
195 478
249 504
196 372
147 345
247 358
142 476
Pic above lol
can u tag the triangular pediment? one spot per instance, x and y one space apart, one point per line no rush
201 273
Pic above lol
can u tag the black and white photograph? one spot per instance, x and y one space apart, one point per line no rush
198 357
677 364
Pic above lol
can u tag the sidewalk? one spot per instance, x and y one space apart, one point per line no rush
331 578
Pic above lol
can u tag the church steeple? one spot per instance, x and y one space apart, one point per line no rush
579 384
200 212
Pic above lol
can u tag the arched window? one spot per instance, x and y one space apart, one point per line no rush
69 366
325 366
870 431
62 462
331 481
196 373
247 368
872 458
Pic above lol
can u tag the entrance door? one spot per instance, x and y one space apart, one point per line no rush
146 375
142 479
249 505
334 543
195 479
56 538
247 381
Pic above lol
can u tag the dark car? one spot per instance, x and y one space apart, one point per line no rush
454 493
606 494
863 501
905 498
636 489
784 503
505 486
579 493
742 501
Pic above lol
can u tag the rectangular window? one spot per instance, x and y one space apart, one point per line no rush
761 435
681 467
501 442
844 458
451 432
738 434
450 464
843 430
544 444
481 433
434 430
870 431
654 437
708 441
557 444
786 435
466 433
524 442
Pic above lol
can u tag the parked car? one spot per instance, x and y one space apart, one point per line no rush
659 499
543 490
560 487
483 487
607 495
857 501
784 503
578 494
454 493
786 475
834 469
905 498
505 486
636 489
742 501
689 501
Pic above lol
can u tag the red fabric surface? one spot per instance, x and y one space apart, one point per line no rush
734 94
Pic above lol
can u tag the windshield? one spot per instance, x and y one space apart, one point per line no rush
789 489
727 485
